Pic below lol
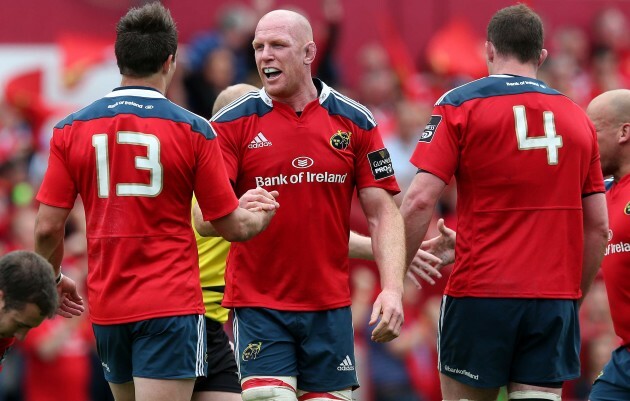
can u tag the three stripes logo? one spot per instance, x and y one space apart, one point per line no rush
346 364
259 141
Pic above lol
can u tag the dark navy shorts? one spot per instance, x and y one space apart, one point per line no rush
161 348
490 342
316 347
613 383
222 370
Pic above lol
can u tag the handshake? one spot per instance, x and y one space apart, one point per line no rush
256 209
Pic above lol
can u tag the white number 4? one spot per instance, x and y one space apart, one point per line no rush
151 163
550 141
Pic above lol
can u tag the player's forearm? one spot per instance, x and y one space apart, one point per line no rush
241 224
388 247
49 244
360 247
417 209
204 228
416 217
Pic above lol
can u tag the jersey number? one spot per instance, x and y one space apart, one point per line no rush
151 163
550 141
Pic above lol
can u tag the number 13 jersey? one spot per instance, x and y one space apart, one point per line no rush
135 158
523 156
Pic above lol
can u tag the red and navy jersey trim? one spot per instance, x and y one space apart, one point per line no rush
143 103
259 103
494 85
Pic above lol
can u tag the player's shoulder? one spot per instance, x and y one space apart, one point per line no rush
493 86
140 102
253 103
341 105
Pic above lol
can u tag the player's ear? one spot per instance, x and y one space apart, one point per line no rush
624 133
168 64
310 52
543 56
490 51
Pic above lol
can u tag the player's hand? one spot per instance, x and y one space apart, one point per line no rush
70 302
259 199
441 247
388 306
426 266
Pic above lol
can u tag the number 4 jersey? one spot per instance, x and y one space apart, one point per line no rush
135 158
524 156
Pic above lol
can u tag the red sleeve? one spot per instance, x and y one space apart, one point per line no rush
594 180
229 147
58 188
373 165
212 187
437 150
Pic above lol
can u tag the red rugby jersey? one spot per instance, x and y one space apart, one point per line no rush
315 161
135 158
616 264
523 155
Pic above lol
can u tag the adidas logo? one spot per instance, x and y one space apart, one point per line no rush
259 141
346 364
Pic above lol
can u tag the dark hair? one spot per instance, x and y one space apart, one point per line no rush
145 37
26 277
517 31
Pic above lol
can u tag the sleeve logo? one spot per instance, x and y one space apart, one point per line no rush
429 130
381 164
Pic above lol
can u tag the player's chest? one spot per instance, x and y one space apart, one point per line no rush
310 150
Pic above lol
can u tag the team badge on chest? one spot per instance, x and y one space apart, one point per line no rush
340 140
626 210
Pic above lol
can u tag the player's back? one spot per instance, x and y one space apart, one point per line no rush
525 155
133 156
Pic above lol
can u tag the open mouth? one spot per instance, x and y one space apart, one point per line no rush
271 72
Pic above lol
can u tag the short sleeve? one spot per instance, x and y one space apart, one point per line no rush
58 188
374 166
437 150
212 187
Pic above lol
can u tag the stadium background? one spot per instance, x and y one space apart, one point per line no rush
395 56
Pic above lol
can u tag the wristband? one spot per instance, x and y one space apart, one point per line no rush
59 278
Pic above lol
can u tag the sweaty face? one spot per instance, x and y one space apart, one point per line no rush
280 58
16 323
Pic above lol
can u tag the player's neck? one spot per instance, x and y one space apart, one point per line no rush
155 81
298 101
623 171
512 67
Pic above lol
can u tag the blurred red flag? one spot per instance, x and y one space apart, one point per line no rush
457 50
414 88
81 52
24 92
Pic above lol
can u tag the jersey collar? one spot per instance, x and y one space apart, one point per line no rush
322 89
138 91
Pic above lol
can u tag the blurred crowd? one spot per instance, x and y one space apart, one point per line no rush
58 362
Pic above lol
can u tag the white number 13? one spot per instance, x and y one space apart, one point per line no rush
550 141
151 163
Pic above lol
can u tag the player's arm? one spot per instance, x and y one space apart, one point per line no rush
425 263
417 209
595 217
49 233
386 229
360 247
254 200
440 248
